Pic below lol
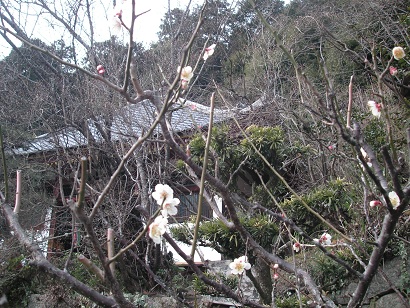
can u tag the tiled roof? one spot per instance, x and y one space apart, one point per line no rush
130 121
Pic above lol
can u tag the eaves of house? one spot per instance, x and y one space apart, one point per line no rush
130 121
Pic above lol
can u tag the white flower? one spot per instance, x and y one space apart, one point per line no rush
115 25
394 199
158 228
186 73
325 239
170 207
121 15
162 193
238 266
209 51
375 108
398 53
296 247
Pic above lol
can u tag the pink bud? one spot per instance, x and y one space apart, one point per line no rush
184 83
276 276
393 71
375 203
296 246
100 69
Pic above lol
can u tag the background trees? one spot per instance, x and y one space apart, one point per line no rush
289 169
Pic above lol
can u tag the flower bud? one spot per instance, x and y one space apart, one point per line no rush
393 71
100 69
375 203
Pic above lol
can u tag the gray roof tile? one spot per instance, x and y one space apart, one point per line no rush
131 120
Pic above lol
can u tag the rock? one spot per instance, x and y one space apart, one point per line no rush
393 270
389 301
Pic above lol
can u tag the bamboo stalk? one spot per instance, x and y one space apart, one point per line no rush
349 106
92 267
18 193
202 184
110 248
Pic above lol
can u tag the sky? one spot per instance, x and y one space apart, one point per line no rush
147 25
146 29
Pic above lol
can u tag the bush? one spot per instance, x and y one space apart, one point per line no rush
332 201
228 242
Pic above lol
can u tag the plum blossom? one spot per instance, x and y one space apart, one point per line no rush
375 203
375 108
157 228
398 53
121 16
100 69
239 265
163 193
276 276
186 74
170 207
394 199
325 239
296 247
209 51
116 20
393 71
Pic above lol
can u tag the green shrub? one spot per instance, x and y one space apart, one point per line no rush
332 201
78 271
18 280
330 275
290 302
228 242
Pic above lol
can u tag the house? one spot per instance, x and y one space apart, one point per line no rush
126 125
